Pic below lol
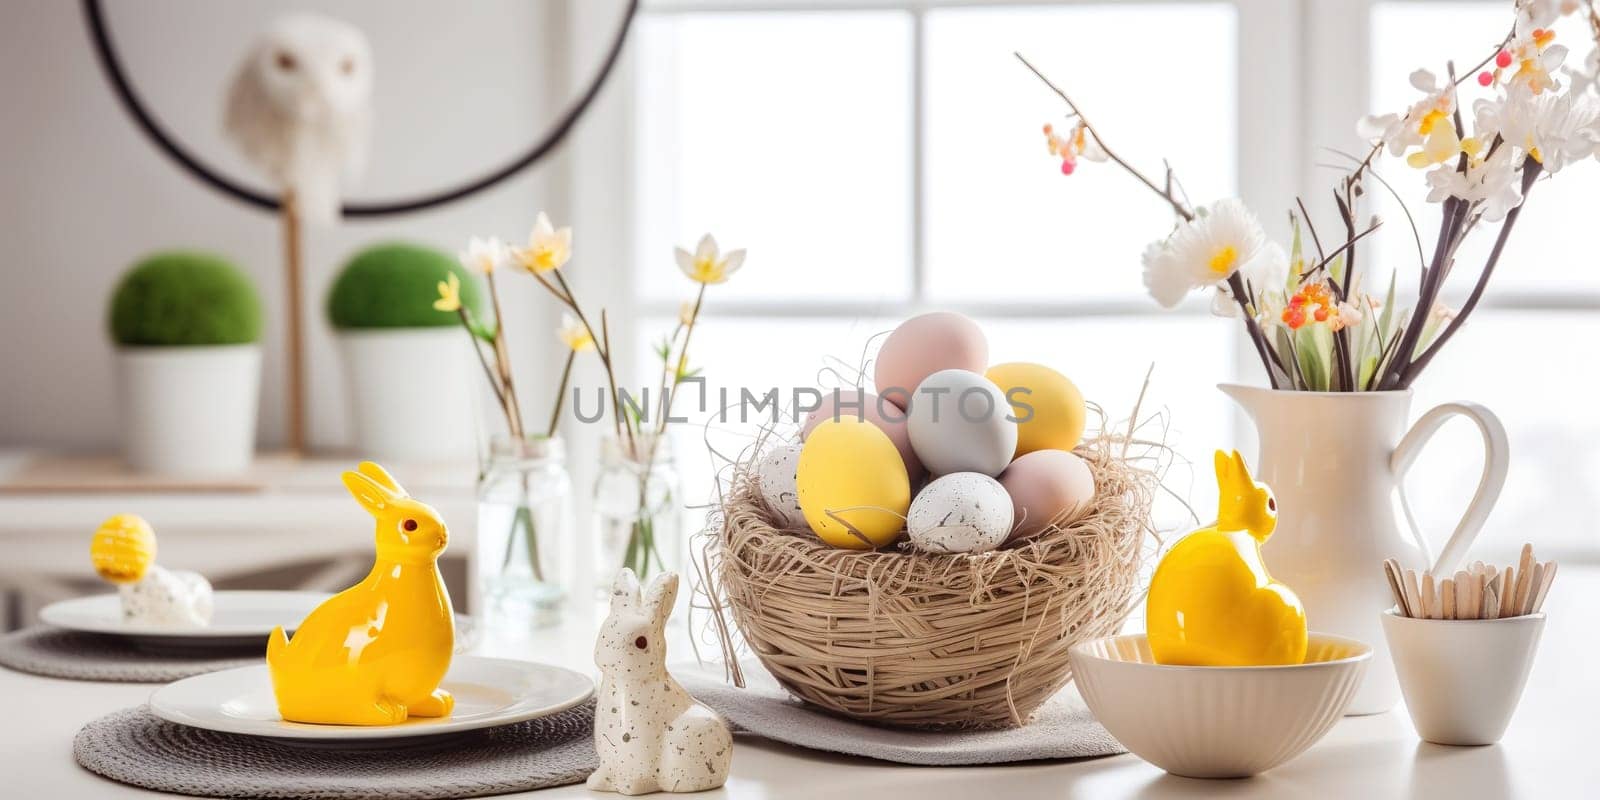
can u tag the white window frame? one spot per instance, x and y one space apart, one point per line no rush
1302 63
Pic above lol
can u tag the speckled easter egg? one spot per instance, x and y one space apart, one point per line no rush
854 490
1044 486
1048 407
775 478
123 548
963 512
924 345
960 422
860 404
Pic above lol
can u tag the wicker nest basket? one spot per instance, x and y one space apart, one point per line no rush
910 639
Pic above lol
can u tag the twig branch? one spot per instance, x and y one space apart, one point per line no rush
1178 206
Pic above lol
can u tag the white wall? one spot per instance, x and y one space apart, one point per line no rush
83 195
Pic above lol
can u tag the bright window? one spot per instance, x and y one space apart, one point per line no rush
883 157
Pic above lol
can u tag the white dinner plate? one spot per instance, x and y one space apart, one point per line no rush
238 618
488 692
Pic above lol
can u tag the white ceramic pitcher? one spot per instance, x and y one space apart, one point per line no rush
1336 461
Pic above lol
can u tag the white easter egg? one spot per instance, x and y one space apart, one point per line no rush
960 421
964 512
775 477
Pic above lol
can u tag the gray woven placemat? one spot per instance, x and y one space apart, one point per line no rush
58 653
133 746
1062 728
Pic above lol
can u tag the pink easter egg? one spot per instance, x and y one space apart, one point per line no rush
1046 485
864 405
923 345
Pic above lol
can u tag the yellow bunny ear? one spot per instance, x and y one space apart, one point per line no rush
1244 469
1224 467
381 476
372 496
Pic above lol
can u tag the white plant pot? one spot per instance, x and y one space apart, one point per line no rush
189 410
410 393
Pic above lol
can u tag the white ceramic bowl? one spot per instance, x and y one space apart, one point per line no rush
1217 722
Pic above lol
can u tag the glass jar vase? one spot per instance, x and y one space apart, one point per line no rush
524 518
637 520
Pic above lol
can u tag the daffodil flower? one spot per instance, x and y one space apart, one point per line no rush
707 264
449 294
548 247
1204 252
483 255
574 334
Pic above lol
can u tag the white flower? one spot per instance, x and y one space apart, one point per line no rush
1495 183
574 334
707 264
1426 118
548 248
1269 308
1533 57
483 255
1585 79
1264 274
1555 129
1223 239
1541 13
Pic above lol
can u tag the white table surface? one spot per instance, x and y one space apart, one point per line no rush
1547 753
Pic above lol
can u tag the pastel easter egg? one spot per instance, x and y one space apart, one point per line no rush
854 491
960 422
123 548
1049 409
1046 486
923 345
775 478
861 404
964 512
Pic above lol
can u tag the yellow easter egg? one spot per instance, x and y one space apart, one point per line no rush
854 490
123 548
1049 408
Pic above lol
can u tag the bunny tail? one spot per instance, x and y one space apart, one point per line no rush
277 646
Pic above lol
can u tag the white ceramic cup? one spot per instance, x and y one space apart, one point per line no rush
1462 678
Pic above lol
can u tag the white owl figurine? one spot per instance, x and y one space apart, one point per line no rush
300 108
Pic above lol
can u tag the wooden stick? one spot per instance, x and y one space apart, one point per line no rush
1544 586
1508 591
1475 595
1464 607
1413 594
1447 598
1391 574
1491 601
1524 570
296 434
1535 579
1430 601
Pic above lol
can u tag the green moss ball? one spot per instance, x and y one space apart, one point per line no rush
394 285
181 298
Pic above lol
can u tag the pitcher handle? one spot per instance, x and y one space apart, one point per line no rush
1496 459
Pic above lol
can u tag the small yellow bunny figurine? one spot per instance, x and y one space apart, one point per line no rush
374 654
1212 602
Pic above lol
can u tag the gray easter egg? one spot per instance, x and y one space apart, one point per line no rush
963 512
775 477
959 421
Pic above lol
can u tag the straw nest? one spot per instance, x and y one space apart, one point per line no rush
906 638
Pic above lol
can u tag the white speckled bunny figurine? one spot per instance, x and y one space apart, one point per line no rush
650 734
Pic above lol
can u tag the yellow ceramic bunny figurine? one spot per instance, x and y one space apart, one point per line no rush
374 654
1212 602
